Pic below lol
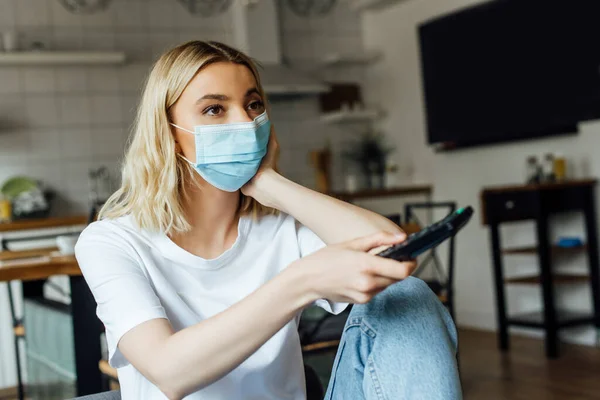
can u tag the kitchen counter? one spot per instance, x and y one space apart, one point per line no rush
31 267
55 222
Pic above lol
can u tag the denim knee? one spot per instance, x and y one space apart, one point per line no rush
405 303
410 291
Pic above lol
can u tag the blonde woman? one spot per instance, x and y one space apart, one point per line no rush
204 258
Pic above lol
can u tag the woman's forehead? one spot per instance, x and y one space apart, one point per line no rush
223 78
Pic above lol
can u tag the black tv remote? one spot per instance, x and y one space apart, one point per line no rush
431 236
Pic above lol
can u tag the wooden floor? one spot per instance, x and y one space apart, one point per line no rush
524 373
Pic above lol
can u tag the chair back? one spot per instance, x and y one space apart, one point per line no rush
114 395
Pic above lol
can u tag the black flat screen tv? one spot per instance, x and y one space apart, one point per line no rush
509 70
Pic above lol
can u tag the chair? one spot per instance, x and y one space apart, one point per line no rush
29 289
94 210
444 285
113 395
314 388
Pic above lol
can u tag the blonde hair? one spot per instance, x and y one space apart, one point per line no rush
153 177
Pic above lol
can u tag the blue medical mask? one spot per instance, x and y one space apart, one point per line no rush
229 155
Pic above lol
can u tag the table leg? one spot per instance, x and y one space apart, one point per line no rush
593 263
550 319
16 322
499 283
86 328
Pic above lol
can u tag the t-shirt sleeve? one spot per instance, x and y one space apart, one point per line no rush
309 242
122 291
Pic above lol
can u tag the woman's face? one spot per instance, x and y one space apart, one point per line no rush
221 93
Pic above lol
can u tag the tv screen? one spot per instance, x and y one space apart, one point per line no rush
509 70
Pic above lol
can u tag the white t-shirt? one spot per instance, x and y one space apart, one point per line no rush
136 276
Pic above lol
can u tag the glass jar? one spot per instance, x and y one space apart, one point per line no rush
5 209
532 170
560 167
548 168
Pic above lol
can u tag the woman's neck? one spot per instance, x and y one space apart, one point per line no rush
213 215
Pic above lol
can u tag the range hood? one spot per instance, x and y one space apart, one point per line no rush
257 32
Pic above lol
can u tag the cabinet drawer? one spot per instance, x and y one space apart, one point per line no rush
510 206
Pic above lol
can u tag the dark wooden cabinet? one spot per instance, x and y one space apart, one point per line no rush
538 202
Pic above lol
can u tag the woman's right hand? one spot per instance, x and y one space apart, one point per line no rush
350 272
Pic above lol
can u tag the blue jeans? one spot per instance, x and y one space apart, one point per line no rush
400 345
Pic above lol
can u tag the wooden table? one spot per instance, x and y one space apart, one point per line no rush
538 202
33 267
36 267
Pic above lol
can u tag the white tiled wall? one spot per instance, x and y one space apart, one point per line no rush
57 122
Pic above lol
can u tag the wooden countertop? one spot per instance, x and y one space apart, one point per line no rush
55 222
36 264
32 265
378 193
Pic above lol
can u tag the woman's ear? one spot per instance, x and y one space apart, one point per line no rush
177 148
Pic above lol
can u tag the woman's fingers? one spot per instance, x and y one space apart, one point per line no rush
376 240
389 268
378 249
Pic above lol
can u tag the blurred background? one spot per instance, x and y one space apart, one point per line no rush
411 108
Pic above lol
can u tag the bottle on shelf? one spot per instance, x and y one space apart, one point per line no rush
560 167
533 170
5 209
548 168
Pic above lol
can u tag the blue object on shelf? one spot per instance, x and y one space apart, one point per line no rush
569 242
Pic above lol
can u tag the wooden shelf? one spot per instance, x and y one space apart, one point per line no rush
377 193
349 116
556 278
62 58
555 250
565 319
340 60
56 222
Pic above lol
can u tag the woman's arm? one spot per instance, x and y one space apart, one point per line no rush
334 221
183 362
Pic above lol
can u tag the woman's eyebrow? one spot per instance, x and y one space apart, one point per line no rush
252 91
222 97
213 96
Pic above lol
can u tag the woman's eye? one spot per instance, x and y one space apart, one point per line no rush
213 110
256 105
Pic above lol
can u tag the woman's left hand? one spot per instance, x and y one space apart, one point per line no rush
269 164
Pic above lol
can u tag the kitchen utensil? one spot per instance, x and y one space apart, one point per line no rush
10 41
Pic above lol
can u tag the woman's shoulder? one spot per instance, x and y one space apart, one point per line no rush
108 225
270 227
272 222
120 232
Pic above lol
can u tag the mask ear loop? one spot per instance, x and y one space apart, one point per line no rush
178 149
180 155
179 127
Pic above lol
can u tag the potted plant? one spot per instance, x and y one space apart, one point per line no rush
369 153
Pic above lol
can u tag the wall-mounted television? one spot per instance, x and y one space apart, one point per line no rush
509 70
